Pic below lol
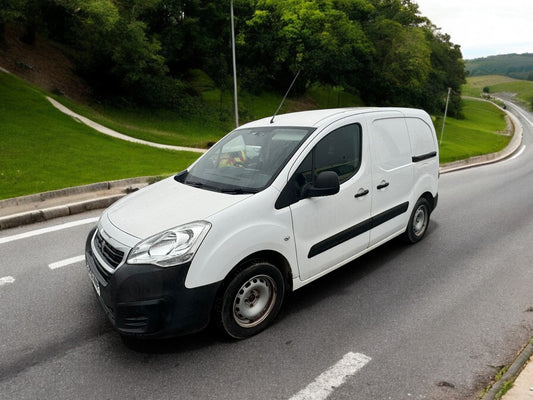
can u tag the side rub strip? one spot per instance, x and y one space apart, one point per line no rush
357 230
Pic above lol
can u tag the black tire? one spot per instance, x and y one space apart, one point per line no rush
259 286
418 222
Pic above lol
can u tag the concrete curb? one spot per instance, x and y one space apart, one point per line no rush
512 373
31 217
41 207
72 191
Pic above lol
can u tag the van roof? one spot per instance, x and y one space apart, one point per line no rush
316 118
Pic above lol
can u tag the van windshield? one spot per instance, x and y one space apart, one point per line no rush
246 160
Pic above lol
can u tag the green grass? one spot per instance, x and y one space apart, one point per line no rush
497 83
214 121
159 126
42 149
474 85
474 135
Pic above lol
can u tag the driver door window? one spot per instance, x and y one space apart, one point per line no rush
339 152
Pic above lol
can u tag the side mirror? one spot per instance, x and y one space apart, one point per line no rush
326 184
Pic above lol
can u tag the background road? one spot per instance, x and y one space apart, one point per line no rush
434 321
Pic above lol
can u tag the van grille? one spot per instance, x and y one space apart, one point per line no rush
112 256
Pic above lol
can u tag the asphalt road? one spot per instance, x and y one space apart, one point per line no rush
431 321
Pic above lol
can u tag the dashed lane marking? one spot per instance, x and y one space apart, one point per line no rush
67 262
335 376
6 280
43 231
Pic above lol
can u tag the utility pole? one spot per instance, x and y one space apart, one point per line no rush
445 112
236 103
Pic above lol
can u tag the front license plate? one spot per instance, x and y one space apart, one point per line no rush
94 281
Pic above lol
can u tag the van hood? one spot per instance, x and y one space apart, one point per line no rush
165 205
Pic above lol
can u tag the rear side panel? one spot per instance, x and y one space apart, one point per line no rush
425 154
392 180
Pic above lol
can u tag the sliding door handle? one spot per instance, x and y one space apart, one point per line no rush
382 185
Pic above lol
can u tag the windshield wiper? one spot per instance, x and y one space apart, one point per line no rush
227 190
236 191
195 184
201 185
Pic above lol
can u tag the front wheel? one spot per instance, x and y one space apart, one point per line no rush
418 222
250 301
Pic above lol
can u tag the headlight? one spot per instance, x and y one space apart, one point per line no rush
173 247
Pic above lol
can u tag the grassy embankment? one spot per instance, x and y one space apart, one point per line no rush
480 132
216 119
43 149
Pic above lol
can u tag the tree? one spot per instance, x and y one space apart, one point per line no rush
401 65
447 71
414 64
384 51
114 52
195 34
10 10
311 36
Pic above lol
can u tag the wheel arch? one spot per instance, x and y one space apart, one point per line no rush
277 259
432 200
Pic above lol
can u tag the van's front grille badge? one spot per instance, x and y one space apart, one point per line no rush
112 256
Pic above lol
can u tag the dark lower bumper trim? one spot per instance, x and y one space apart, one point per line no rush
151 301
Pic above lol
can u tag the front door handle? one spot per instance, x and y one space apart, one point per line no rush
362 192
382 185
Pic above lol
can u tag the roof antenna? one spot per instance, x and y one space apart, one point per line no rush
284 97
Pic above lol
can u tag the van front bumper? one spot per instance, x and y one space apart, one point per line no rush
150 301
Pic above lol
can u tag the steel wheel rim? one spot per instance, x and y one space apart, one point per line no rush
254 301
420 221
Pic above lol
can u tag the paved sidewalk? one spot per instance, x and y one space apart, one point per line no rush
523 386
115 134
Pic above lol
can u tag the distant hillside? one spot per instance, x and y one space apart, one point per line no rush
518 66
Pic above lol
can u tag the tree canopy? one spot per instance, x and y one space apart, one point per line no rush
384 51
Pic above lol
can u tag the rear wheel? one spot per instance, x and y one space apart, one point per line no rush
418 222
250 301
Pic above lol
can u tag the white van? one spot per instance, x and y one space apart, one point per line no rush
274 205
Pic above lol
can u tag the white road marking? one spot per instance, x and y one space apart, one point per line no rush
43 231
6 279
525 117
518 153
519 111
68 261
335 376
